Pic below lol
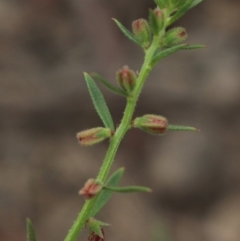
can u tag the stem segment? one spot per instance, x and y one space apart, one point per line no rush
116 139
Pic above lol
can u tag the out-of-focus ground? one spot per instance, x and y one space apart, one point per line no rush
45 45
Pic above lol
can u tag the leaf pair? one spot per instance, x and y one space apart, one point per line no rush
102 199
105 195
112 186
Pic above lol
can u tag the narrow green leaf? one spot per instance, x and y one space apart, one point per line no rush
162 3
105 195
163 53
194 46
100 223
126 32
181 128
108 84
99 102
128 189
160 54
30 231
95 227
180 12
195 2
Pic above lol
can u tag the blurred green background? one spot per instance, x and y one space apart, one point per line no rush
45 45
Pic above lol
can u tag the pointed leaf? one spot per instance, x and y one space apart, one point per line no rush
99 102
128 189
160 54
100 223
108 84
126 32
95 227
162 3
181 128
30 231
182 10
163 53
194 46
195 2
105 195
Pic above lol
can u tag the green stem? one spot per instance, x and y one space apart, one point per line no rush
116 139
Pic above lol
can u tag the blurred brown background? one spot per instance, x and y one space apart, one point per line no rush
45 45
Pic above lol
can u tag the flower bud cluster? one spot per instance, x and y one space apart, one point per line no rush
158 20
143 29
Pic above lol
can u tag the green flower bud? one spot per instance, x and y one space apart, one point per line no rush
156 20
126 79
142 32
153 124
91 188
93 136
174 36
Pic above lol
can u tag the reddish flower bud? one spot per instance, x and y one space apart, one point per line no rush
159 14
153 124
174 36
95 237
93 136
126 79
142 32
156 20
91 188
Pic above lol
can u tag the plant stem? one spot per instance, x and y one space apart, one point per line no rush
128 113
116 139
